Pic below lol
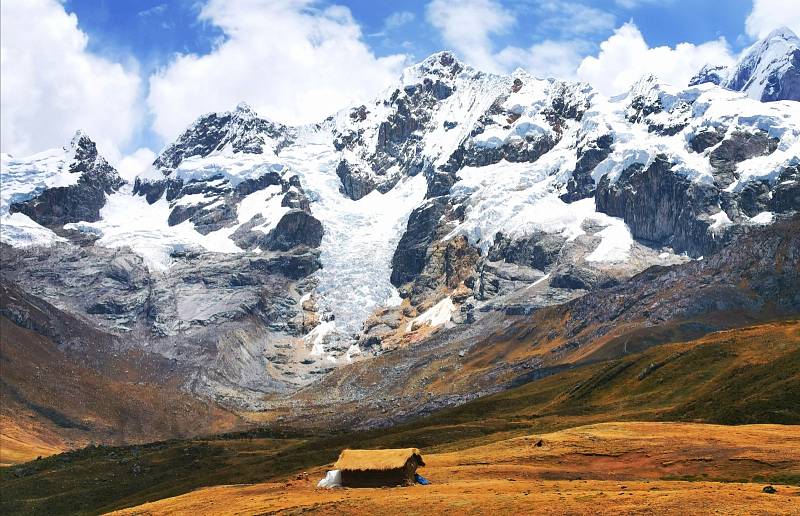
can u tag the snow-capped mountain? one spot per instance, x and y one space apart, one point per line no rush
260 255
54 188
767 71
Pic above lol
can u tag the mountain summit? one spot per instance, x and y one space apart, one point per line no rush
767 71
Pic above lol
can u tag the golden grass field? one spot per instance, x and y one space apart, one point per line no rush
607 468
21 442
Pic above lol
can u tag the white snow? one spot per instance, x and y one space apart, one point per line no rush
267 203
19 230
615 244
721 220
765 217
316 337
437 315
23 179
518 199
127 220
360 236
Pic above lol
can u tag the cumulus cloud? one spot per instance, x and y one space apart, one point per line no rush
467 27
545 59
625 57
289 60
51 85
768 15
134 163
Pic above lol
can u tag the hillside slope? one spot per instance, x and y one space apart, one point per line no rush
755 279
749 375
608 468
65 385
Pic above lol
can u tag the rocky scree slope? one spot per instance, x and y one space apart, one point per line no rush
260 256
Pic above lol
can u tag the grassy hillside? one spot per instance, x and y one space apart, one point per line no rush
749 375
605 468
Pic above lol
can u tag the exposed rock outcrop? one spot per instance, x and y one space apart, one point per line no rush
661 206
82 201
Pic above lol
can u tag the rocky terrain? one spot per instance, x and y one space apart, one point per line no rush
460 233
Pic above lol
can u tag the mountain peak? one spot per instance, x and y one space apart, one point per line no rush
715 74
82 148
80 139
244 108
443 65
770 69
781 33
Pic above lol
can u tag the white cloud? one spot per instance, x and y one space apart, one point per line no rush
625 57
572 19
51 85
467 27
289 60
546 59
772 14
133 164
398 19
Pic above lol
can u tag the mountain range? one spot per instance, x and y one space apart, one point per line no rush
459 234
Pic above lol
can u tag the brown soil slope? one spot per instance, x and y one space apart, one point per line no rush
610 468
65 384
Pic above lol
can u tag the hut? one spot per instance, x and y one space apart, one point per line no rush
379 468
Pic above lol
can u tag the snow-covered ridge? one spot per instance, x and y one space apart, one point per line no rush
512 154
24 178
769 70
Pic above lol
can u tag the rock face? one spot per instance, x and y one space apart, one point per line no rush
410 256
81 201
660 206
225 319
738 147
296 228
581 185
241 129
538 251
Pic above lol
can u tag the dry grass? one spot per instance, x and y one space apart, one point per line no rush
21 442
612 468
382 460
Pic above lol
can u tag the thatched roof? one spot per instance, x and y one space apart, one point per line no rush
376 460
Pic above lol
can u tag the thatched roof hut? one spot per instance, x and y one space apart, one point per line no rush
377 468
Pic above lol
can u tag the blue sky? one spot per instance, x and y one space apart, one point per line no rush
133 74
154 30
